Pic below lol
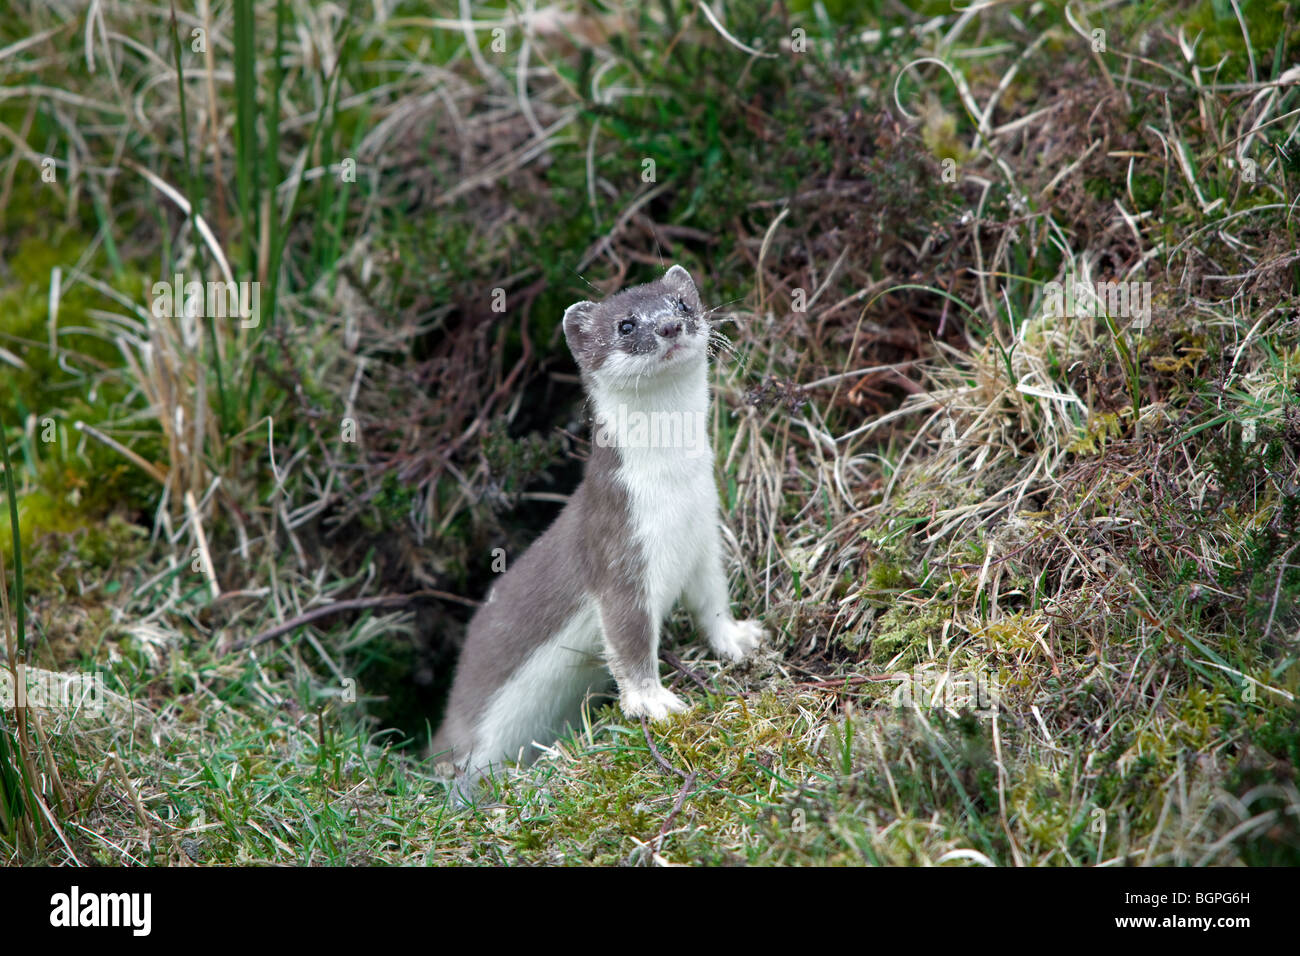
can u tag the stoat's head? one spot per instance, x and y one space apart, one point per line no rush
640 334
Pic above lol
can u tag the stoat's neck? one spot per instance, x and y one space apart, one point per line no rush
656 420
684 390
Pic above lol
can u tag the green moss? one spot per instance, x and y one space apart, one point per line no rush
79 478
601 808
903 630
1041 812
39 513
883 576
1269 24
391 505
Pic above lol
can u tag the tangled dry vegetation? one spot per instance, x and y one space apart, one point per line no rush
1029 573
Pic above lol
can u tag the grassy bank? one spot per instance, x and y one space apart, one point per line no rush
1028 558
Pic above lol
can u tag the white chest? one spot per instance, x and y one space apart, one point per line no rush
667 471
674 512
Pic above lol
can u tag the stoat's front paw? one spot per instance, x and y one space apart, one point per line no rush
734 640
654 701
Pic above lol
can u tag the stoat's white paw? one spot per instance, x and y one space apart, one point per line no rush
734 640
654 701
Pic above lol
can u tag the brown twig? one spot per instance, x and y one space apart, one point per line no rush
846 681
675 662
355 604
687 786
654 751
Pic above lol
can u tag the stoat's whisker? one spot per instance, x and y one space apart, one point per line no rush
724 344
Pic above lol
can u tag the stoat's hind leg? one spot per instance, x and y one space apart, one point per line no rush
539 699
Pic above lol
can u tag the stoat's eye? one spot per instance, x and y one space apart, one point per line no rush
682 306
626 326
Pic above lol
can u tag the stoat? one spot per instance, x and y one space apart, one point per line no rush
586 601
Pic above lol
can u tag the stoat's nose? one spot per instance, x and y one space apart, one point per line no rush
670 330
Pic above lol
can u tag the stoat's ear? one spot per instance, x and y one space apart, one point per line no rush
679 280
577 327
